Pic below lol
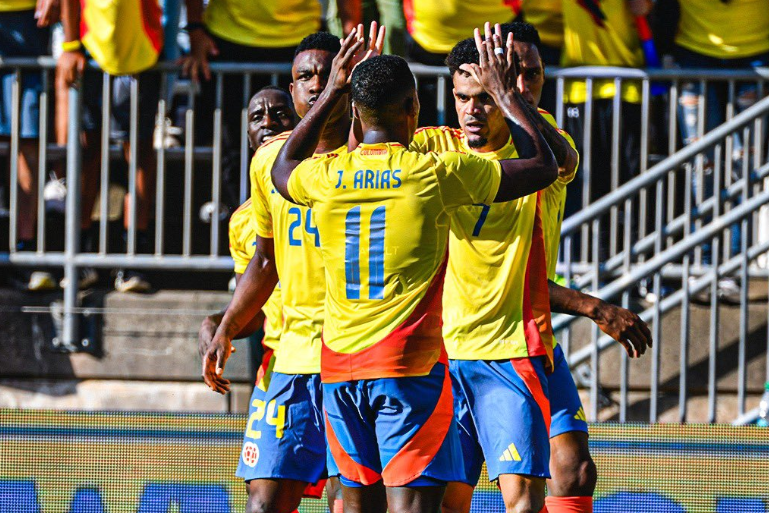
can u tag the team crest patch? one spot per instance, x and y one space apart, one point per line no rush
250 454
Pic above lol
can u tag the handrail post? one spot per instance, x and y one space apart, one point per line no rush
70 331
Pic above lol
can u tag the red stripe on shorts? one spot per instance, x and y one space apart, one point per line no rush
525 370
348 467
412 459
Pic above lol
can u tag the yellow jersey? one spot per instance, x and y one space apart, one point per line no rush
438 25
495 300
242 247
17 5
266 23
298 261
547 18
553 204
600 33
383 214
123 36
725 30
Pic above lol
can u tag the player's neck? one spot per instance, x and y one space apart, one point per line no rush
334 135
378 135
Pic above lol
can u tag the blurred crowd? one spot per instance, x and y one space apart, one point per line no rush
126 39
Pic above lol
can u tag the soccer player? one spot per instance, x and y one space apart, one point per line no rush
498 251
382 212
286 429
270 112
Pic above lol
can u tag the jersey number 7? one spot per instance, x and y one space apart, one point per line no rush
375 254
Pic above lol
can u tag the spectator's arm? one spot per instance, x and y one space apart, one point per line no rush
619 323
350 14
47 12
71 63
201 44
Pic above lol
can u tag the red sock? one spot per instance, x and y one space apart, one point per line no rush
569 504
338 506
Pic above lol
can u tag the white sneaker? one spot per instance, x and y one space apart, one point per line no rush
87 278
40 280
55 195
129 281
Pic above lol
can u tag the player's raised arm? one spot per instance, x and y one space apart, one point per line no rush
536 168
619 323
304 139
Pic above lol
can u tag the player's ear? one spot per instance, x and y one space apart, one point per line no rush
355 113
291 92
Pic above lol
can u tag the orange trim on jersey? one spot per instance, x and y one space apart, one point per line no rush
412 459
411 349
536 298
525 370
348 467
264 367
280 137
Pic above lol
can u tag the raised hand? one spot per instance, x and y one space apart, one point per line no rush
344 62
495 70
375 42
196 63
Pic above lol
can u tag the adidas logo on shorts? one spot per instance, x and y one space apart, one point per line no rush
510 454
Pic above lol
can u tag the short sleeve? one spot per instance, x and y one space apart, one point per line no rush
306 180
241 235
239 254
465 179
260 198
562 180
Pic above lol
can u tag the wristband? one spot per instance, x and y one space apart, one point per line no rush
194 25
71 46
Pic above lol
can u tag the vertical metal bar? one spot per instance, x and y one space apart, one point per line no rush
685 307
189 160
586 164
625 363
700 164
643 204
14 158
559 118
216 168
132 166
106 88
729 169
744 282
672 138
594 354
72 220
441 100
42 163
616 134
160 181
244 153
714 311
657 313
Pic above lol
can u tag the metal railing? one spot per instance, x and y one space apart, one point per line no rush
632 244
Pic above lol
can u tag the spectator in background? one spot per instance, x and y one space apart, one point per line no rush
240 31
603 33
20 36
125 41
345 15
547 18
434 27
730 34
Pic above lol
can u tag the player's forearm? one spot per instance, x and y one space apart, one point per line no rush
70 19
303 141
255 287
564 154
573 302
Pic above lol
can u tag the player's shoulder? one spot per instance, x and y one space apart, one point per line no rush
439 136
446 131
271 148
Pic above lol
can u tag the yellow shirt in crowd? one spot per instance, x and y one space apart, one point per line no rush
547 18
242 248
263 23
17 5
383 214
299 264
437 25
600 33
725 30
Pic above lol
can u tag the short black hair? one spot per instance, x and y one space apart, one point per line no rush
319 41
465 51
381 81
273 88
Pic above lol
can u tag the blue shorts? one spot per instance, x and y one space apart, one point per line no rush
285 436
566 411
399 430
20 37
503 412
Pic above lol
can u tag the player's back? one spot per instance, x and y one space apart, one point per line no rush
383 214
